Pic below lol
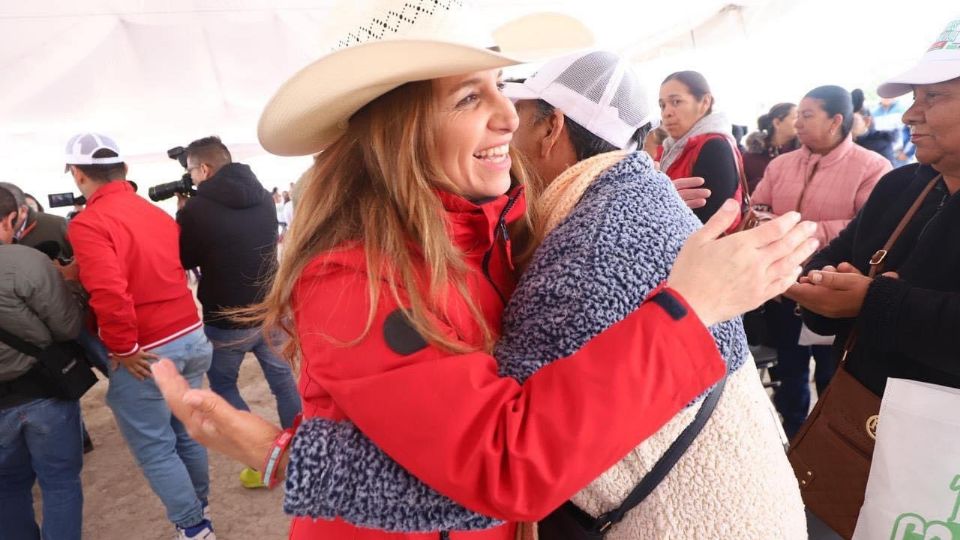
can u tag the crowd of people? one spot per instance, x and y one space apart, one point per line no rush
503 309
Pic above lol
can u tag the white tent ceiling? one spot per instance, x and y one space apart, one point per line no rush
156 74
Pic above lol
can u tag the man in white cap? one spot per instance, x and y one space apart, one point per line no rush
128 256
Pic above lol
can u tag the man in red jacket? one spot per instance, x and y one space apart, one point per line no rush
128 256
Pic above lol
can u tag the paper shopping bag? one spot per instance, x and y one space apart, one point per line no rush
913 491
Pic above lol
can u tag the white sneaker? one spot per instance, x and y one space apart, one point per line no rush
200 531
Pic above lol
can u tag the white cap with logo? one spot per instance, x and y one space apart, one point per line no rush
596 89
940 63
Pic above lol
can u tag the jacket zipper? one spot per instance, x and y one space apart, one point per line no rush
501 230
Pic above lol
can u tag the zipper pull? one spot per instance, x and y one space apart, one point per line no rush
508 246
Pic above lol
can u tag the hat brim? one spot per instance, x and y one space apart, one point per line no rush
519 91
311 110
926 72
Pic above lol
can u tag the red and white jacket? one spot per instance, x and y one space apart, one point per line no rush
510 451
127 251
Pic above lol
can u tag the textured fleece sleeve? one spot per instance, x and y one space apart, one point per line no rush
499 448
920 324
717 165
102 275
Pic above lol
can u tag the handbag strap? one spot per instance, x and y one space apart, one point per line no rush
742 179
806 183
879 259
665 464
19 344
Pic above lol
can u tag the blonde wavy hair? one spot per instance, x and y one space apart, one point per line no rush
376 187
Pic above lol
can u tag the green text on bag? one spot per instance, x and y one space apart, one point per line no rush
913 527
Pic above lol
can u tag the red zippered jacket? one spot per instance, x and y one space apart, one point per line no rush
506 450
128 254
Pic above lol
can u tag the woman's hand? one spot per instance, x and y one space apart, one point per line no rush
724 277
837 293
690 191
212 422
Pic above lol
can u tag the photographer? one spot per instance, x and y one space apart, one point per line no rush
229 230
39 434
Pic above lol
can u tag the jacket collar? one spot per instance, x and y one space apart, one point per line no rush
831 157
473 225
111 187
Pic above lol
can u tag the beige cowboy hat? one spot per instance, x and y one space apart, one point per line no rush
400 42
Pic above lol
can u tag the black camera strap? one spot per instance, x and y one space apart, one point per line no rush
665 464
28 349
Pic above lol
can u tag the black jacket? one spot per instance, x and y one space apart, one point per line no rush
229 230
880 142
908 327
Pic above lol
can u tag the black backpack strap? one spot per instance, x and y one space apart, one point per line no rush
28 349
665 464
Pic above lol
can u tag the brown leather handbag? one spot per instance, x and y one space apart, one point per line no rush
831 453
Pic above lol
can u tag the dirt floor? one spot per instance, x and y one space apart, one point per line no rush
118 502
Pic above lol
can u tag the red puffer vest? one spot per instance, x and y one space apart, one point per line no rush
682 167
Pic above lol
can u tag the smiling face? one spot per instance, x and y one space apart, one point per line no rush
475 124
934 120
680 109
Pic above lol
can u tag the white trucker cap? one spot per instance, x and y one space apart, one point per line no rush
596 89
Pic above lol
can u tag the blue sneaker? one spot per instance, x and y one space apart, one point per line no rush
200 531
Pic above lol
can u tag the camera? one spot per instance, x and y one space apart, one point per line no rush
58 200
183 186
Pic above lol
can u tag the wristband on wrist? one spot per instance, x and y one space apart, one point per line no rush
271 470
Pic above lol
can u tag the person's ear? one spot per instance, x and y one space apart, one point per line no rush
836 123
706 104
555 128
7 224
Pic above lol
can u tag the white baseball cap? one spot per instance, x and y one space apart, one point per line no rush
82 146
596 89
940 63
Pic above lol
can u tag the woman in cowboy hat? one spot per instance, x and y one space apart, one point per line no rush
401 258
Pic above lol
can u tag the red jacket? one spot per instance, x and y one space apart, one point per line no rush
129 260
508 451
683 166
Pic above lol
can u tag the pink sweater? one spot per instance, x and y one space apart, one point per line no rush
837 185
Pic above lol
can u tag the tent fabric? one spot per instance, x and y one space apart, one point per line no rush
157 74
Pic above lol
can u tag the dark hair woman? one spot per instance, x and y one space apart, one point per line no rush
907 321
701 143
775 135
827 180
